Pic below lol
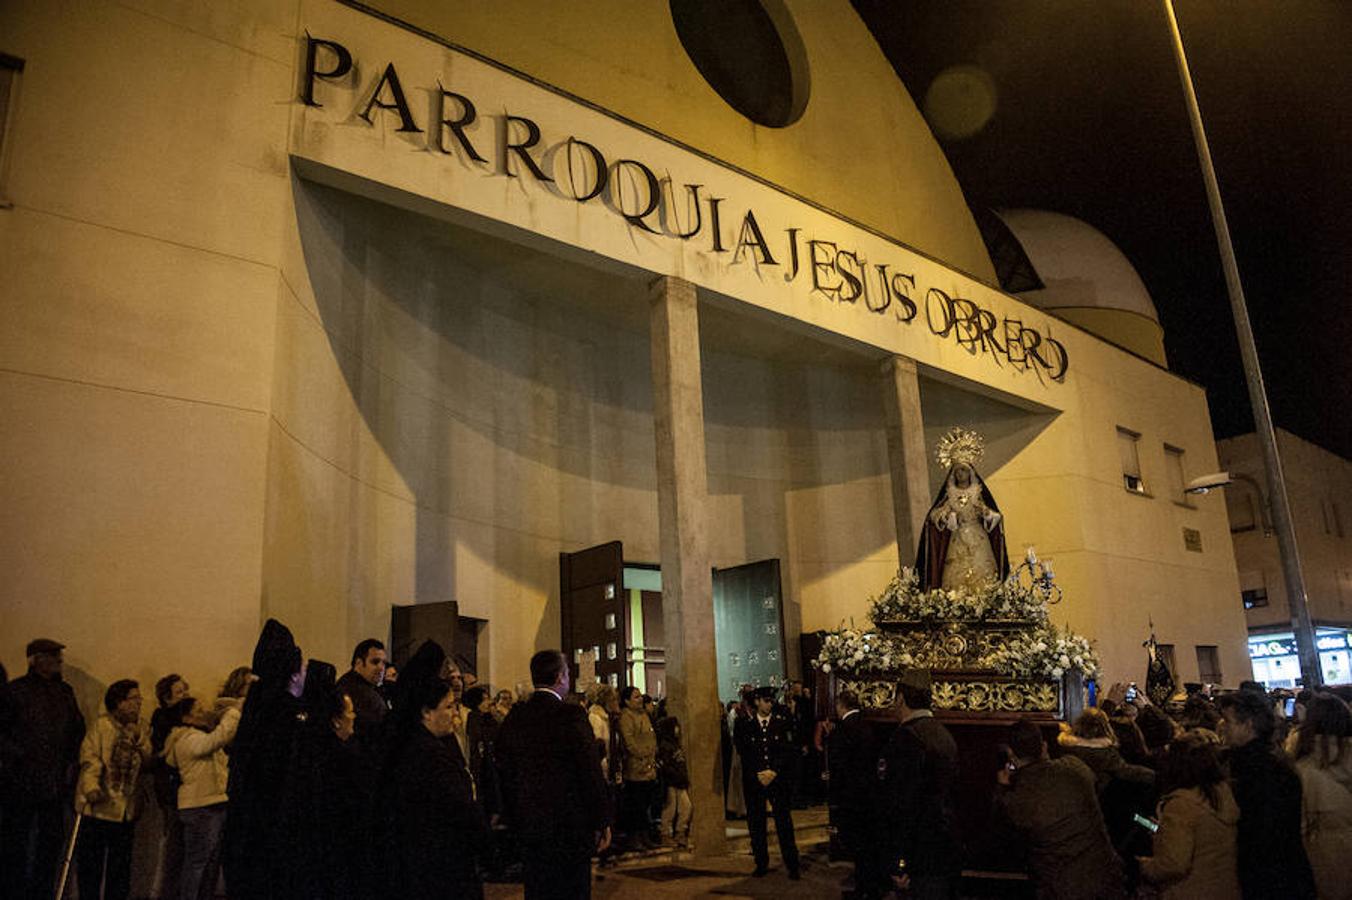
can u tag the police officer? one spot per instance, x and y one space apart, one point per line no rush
765 744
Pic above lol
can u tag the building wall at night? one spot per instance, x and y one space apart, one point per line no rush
267 359
1319 484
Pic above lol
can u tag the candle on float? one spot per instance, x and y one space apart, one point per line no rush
1032 557
1047 568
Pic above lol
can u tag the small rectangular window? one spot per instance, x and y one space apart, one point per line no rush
1254 598
1209 664
11 68
1127 442
1239 504
1178 482
1166 653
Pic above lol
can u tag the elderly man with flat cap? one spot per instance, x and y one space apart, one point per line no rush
768 752
41 728
917 772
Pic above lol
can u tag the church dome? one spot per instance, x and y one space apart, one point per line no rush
1083 277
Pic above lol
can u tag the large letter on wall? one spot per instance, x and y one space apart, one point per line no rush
687 586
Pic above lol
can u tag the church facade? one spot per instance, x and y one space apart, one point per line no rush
316 309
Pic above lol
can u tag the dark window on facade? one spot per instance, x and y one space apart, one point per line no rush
1127 448
1166 654
11 69
1254 598
1239 504
1175 470
1209 664
750 54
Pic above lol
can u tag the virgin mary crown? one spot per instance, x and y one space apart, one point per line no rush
959 446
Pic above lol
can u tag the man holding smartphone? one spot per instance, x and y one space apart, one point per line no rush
1053 808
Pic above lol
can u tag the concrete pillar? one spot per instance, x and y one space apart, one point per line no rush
687 584
906 453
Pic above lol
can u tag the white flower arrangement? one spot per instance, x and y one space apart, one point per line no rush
1047 652
1040 651
903 600
852 650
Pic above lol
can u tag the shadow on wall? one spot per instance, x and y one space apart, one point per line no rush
1007 429
514 412
510 389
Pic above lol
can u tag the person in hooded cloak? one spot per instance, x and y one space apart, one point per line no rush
333 796
434 829
962 544
258 840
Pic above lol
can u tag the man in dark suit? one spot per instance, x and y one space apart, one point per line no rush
552 783
765 743
917 772
362 684
852 764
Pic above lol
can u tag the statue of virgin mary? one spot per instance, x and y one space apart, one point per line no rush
962 546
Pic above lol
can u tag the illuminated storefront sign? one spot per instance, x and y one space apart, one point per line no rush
1276 662
1260 648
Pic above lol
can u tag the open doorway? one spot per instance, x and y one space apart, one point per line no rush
613 631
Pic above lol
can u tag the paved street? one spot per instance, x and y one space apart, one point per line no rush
680 875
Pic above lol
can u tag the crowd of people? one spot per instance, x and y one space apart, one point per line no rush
296 782
1219 798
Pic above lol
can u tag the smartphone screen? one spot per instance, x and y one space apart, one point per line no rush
1290 707
1131 694
1148 824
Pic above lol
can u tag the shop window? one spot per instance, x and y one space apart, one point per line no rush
1255 598
1173 468
1127 447
11 69
1209 664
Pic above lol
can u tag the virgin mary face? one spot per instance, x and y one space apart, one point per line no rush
962 475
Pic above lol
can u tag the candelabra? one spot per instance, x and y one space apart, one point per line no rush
1040 577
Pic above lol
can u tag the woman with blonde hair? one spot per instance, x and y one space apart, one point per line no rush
1323 757
1124 789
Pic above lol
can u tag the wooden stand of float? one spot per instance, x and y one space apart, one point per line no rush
977 705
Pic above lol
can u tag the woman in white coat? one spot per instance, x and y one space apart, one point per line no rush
196 748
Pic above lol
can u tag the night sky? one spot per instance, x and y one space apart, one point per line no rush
1089 120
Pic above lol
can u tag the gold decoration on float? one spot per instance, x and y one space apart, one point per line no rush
971 646
966 696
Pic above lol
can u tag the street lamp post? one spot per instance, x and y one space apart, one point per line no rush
1253 376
